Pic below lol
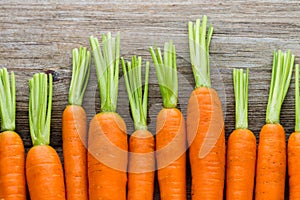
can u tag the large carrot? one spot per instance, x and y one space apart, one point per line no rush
241 149
107 138
12 157
44 170
271 155
74 131
141 163
205 123
170 128
294 147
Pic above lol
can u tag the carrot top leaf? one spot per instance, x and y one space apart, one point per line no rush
80 75
240 82
297 98
8 100
40 105
199 41
107 69
281 76
166 70
137 99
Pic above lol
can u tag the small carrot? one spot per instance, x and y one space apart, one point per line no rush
271 155
241 149
141 163
74 131
44 170
170 128
107 138
205 123
12 156
294 147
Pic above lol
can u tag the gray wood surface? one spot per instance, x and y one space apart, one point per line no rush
38 36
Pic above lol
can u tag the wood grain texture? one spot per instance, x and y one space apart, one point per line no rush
38 36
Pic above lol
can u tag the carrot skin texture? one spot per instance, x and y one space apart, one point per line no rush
12 167
241 161
271 163
44 174
171 156
141 166
293 165
74 152
107 157
206 136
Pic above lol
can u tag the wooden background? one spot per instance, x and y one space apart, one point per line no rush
38 36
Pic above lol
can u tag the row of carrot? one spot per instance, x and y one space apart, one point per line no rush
113 168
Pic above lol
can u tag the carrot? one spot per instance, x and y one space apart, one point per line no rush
107 138
74 131
205 123
170 128
294 147
12 157
141 164
44 171
241 149
271 155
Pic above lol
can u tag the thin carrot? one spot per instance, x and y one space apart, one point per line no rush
271 155
241 149
170 128
12 156
141 163
205 123
107 138
44 171
74 131
294 147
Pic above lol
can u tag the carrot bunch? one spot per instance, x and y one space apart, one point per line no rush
141 163
74 130
205 123
44 170
241 148
271 155
170 128
107 138
12 156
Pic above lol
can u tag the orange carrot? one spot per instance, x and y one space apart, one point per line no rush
12 157
74 129
141 164
205 123
107 138
44 171
271 155
170 128
294 147
241 150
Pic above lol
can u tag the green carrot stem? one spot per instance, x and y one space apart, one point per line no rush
297 98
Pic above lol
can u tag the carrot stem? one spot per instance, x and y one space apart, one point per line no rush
40 105
166 70
240 81
297 97
80 75
107 69
281 76
8 100
199 42
137 99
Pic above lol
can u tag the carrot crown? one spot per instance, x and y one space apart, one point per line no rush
40 105
281 76
240 82
107 69
199 41
8 100
137 99
166 70
297 98
80 75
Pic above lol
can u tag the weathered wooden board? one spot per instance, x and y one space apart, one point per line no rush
39 36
